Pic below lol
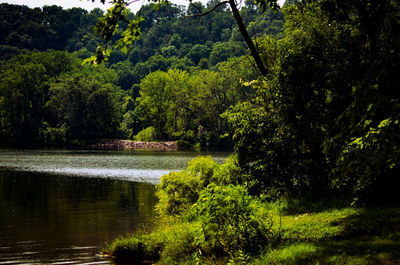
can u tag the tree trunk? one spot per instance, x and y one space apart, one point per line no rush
253 50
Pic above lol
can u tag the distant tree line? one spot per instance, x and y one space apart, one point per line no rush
173 84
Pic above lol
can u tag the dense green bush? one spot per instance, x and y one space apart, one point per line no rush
231 220
205 214
146 135
135 248
179 190
186 139
326 118
229 173
173 243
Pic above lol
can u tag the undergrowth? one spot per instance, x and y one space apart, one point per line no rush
217 221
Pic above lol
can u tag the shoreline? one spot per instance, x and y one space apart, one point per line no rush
136 145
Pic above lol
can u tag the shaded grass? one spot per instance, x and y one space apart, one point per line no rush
170 243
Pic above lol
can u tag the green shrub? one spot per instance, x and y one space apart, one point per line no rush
179 242
179 190
186 140
176 192
147 135
228 173
231 220
203 167
136 248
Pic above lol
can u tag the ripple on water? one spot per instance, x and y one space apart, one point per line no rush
151 176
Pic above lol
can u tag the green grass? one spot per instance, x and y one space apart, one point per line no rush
329 235
312 232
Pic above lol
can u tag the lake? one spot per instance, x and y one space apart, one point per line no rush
60 206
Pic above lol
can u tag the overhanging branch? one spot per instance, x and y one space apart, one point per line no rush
208 11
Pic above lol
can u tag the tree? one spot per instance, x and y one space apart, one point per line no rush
155 99
124 71
85 106
328 116
220 52
24 86
106 28
198 52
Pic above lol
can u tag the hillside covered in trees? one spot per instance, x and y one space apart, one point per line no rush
173 84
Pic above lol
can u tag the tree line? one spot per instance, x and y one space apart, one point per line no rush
48 98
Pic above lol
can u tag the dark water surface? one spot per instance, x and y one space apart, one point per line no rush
60 207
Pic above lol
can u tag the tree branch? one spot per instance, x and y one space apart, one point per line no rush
209 11
253 50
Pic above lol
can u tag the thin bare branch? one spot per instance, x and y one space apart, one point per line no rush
131 2
195 6
208 11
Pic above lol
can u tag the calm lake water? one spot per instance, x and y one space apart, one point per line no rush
60 207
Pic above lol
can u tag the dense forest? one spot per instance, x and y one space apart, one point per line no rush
173 83
317 118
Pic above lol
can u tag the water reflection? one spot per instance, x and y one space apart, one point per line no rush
45 218
59 206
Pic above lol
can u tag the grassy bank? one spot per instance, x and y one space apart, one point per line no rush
336 235
304 232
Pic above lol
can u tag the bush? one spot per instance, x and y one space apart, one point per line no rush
229 173
147 135
135 248
179 190
179 242
231 220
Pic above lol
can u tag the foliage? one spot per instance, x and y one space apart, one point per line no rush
134 248
178 191
231 220
146 135
363 157
202 217
154 99
166 42
169 244
187 107
24 86
87 106
229 173
326 116
55 99
48 28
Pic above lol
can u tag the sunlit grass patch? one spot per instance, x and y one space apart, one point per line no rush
348 235
299 253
